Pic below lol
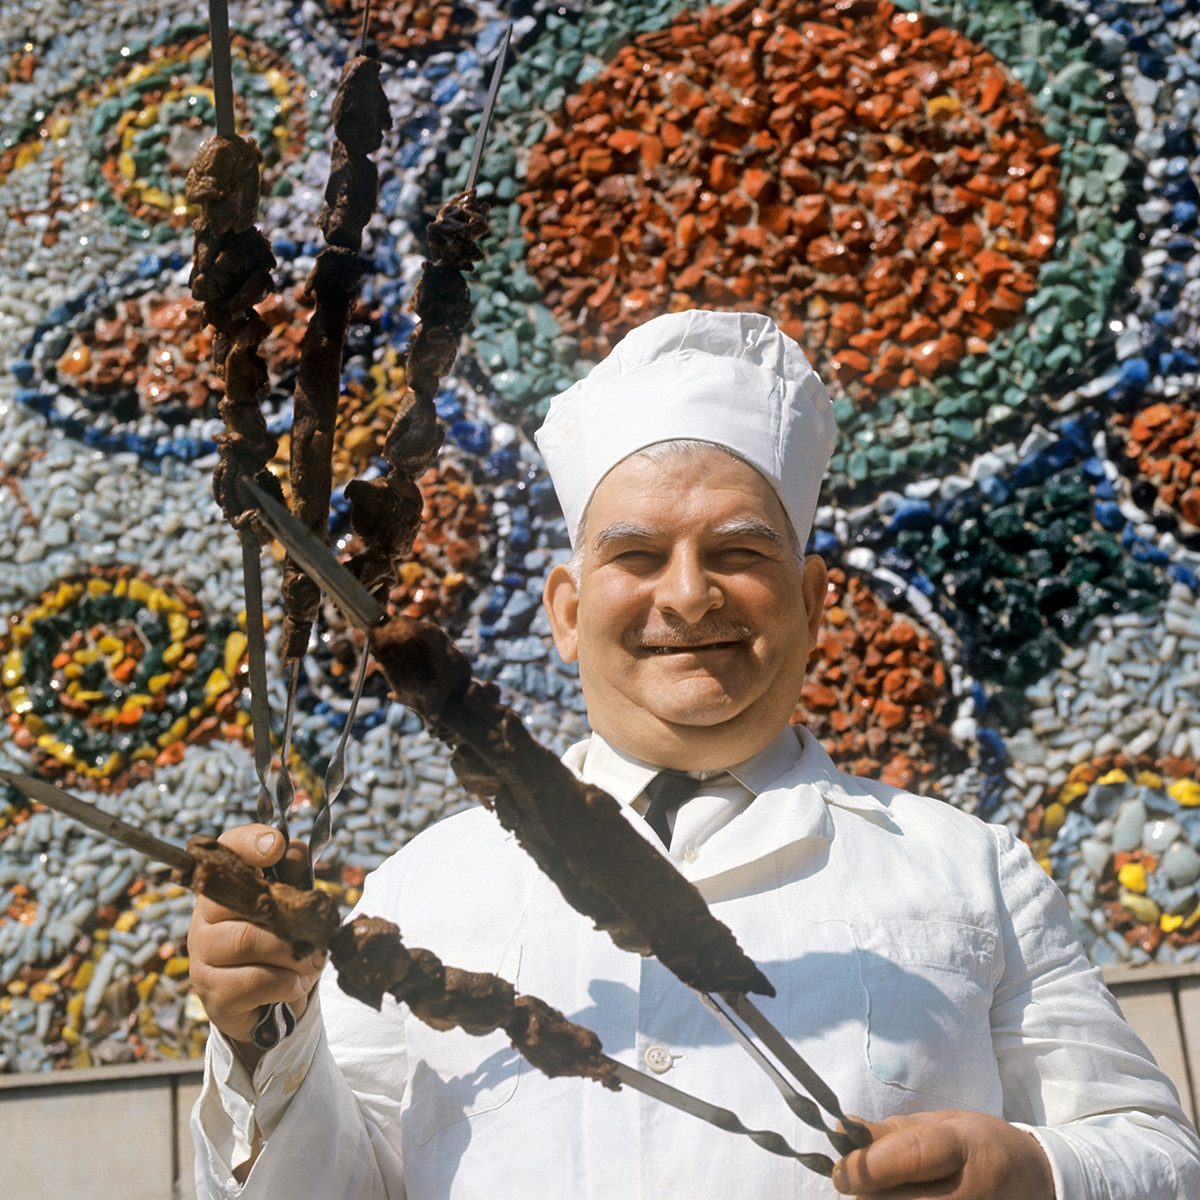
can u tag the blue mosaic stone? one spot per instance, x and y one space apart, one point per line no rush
1175 274
525 650
824 542
489 37
422 127
1178 573
1134 373
995 490
1059 455
518 612
1184 214
392 188
1109 515
448 406
542 497
474 437
1184 189
1077 432
1031 471
991 751
502 463
912 514
22 369
495 605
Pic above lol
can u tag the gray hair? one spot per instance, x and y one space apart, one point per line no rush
661 453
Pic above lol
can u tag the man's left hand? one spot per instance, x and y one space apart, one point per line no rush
948 1155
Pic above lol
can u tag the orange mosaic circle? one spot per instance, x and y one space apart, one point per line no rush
876 689
878 183
1163 446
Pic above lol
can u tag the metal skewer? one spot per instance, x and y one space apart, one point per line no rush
489 105
722 1118
277 1020
256 662
335 776
154 847
852 1135
366 25
222 66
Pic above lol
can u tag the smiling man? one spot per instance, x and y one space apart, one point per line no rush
923 963
692 632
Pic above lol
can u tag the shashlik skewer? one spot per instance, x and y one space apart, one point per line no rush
360 119
371 959
386 512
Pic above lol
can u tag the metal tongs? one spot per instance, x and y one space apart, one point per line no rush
736 1012
183 862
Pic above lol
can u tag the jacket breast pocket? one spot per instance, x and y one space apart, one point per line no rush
929 998
455 1076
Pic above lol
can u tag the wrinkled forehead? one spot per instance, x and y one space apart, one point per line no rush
650 478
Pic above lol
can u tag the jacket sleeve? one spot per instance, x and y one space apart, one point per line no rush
1074 1073
327 1101
320 1138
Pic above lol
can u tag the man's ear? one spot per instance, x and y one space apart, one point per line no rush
561 600
814 586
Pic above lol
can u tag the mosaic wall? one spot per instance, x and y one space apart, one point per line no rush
979 217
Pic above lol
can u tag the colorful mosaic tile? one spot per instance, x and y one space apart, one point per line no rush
112 673
980 217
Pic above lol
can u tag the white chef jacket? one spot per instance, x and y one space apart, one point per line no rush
921 961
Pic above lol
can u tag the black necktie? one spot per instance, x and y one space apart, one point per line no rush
667 791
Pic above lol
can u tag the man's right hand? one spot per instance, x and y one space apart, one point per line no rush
238 968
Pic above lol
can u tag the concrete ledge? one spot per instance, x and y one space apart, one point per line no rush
183 1069
1162 1003
107 1133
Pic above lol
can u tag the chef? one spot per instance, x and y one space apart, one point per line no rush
923 963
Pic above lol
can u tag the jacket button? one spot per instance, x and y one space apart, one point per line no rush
658 1059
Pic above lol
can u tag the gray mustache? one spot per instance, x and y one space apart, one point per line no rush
696 635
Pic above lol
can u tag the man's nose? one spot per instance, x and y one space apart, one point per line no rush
686 589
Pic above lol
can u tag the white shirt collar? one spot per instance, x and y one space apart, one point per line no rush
794 781
794 755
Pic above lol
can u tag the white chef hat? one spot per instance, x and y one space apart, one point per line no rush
732 378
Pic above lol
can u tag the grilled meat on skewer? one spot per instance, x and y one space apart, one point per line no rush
574 831
231 272
371 959
386 512
360 119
